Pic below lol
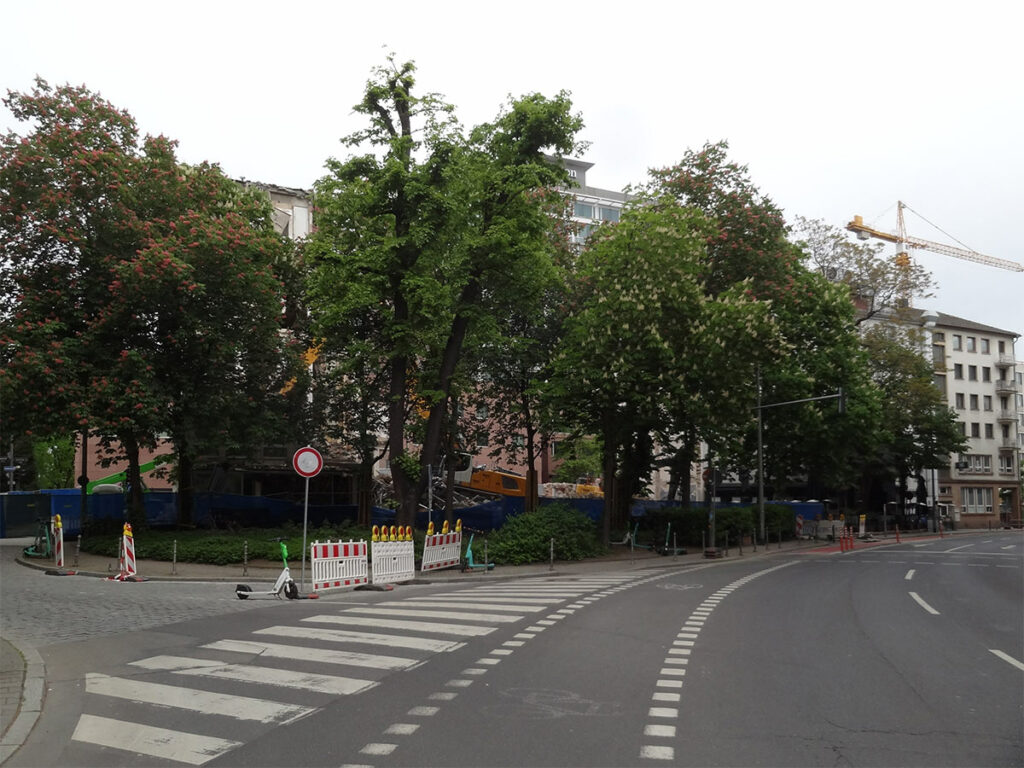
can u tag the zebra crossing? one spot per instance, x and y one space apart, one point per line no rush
180 709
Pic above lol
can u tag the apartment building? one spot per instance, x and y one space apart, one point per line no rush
976 369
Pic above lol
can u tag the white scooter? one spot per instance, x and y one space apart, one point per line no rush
284 584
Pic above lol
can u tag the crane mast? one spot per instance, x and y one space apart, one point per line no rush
904 242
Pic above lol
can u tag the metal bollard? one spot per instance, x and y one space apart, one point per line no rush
675 549
245 557
174 558
551 561
486 569
741 543
780 538
78 548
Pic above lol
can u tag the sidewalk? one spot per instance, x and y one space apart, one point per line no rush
23 674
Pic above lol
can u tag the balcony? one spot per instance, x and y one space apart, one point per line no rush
1004 361
1007 387
1006 417
1007 443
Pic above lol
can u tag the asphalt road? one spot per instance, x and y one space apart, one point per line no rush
897 655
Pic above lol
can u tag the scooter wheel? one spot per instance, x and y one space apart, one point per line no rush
242 590
291 590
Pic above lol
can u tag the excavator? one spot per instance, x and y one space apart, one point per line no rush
115 483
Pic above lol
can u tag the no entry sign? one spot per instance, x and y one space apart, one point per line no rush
308 462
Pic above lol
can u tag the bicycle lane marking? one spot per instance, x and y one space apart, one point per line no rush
661 716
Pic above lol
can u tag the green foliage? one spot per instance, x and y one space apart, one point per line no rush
54 462
526 538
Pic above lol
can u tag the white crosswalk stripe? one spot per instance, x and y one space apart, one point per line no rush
206 702
164 743
316 655
419 626
366 638
500 618
463 630
307 681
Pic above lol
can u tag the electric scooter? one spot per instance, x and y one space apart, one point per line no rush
284 583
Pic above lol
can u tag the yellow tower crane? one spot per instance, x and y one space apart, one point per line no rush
903 242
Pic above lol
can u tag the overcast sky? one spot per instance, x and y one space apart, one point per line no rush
836 108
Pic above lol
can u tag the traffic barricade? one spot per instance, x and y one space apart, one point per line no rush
442 550
392 557
337 564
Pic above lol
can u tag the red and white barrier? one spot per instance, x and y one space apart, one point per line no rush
126 561
337 564
441 550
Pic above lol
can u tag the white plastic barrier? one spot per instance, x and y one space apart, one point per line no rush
441 550
392 561
338 564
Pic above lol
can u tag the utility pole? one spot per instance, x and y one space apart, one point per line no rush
760 449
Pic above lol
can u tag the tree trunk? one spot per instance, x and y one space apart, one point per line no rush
364 495
186 493
136 508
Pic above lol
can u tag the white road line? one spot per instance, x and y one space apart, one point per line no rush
498 618
1007 658
206 702
910 575
957 549
479 606
1012 546
306 681
464 630
163 743
490 598
657 753
367 638
319 655
923 604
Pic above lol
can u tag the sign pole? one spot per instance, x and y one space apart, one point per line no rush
305 516
307 462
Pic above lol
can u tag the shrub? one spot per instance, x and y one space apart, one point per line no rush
526 538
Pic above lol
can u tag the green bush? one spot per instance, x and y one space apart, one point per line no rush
526 538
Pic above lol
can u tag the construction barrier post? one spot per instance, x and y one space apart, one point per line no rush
58 542
898 534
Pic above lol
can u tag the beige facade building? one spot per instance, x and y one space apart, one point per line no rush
976 369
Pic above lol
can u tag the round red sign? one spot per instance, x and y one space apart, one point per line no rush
308 462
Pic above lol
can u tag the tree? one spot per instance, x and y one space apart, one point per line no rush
878 285
147 300
647 348
920 430
433 235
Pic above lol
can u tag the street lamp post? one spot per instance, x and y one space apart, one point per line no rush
760 451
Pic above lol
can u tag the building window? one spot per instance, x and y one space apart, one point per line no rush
957 342
958 371
482 412
977 463
987 400
1002 347
972 373
986 373
988 432
975 429
962 426
944 490
984 346
971 343
938 336
1006 464
974 402
583 210
976 501
939 355
608 214
940 384
960 400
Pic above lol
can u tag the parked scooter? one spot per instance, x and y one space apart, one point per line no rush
284 584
